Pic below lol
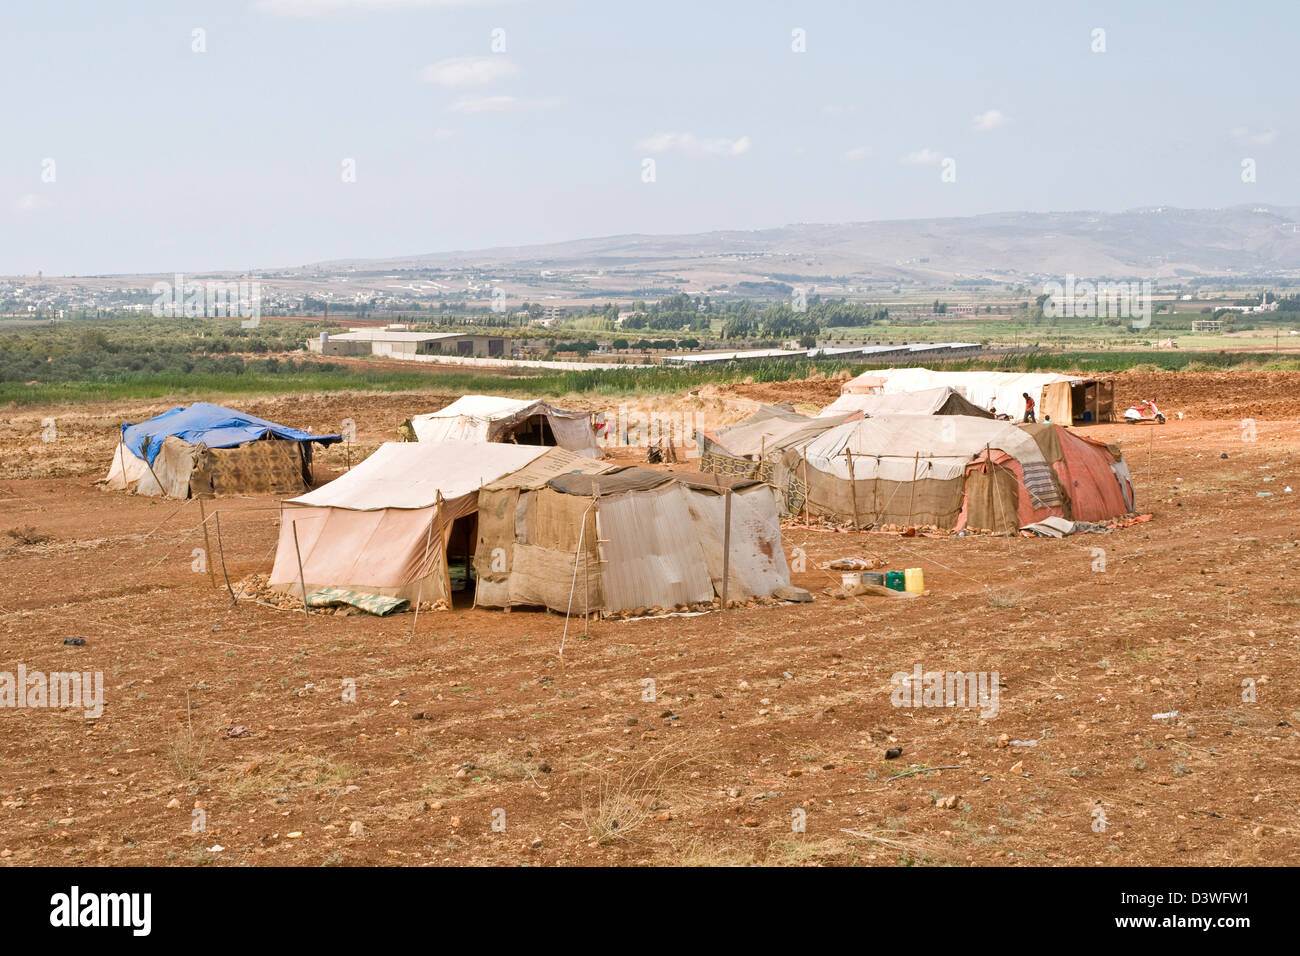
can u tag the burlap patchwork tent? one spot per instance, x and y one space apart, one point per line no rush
1066 399
396 523
627 539
493 418
952 472
941 400
206 449
1091 480
904 469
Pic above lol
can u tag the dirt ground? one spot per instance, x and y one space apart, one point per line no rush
473 740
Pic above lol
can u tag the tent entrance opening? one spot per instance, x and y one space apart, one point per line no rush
534 430
460 559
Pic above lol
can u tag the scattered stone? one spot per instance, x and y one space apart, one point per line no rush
173 804
789 593
893 753
1003 741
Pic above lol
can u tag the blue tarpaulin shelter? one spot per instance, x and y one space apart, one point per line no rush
210 425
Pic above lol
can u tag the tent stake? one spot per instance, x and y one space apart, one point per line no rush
221 551
302 583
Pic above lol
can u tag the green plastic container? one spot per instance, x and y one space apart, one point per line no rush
894 580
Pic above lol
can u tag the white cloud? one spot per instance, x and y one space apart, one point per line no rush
484 104
690 143
1261 137
989 120
468 71
922 157
30 202
324 8
500 103
857 154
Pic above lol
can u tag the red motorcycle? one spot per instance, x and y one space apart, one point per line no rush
1144 411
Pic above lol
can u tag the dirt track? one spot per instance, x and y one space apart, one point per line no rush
758 712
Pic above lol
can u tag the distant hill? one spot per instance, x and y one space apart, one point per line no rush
1153 243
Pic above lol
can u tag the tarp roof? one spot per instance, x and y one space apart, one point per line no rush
900 447
942 399
413 474
491 417
985 389
487 407
769 428
613 482
211 425
556 461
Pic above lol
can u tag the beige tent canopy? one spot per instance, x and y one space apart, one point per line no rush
493 418
625 539
388 525
941 400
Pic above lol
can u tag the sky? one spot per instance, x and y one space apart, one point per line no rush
197 135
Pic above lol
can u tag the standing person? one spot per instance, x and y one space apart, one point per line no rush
1030 418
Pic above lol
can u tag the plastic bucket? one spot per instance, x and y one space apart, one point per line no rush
894 580
851 579
874 577
914 580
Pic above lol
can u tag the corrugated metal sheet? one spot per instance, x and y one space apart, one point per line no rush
650 552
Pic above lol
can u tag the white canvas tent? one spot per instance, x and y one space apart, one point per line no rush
493 418
942 400
384 527
1067 399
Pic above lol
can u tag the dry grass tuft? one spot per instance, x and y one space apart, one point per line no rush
620 803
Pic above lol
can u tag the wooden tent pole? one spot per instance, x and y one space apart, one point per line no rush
586 565
807 491
419 591
207 546
221 551
853 488
161 490
302 582
726 547
916 463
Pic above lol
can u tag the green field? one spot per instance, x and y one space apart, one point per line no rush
142 358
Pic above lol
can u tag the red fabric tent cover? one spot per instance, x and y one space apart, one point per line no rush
1086 476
